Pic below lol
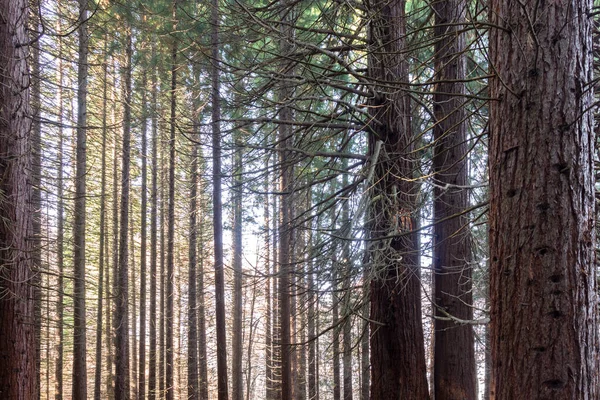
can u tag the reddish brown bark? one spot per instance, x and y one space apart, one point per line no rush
542 235
454 372
398 369
17 330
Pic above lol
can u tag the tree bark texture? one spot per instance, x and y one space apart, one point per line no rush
17 330
542 235
454 372
398 368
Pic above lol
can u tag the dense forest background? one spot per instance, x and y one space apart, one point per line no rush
298 199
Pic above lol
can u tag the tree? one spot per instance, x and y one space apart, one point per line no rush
144 240
218 207
122 378
153 235
102 236
454 372
237 391
544 335
192 356
398 369
170 389
79 388
286 175
17 331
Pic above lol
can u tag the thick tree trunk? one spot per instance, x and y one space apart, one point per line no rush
17 330
398 368
542 234
454 372
36 182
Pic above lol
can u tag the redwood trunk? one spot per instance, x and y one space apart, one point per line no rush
542 234
398 369
454 372
17 330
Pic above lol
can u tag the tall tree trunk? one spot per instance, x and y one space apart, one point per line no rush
268 296
347 293
143 244
365 365
312 336
17 331
544 334
202 356
237 390
454 372
285 209
218 209
398 368
36 182
163 294
153 236
133 300
192 356
115 230
335 332
169 312
60 230
122 378
102 238
79 387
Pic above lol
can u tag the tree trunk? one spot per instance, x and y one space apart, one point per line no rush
268 306
122 378
454 372
60 229
542 236
218 209
312 335
115 230
169 312
285 210
143 245
398 368
335 332
192 356
202 356
102 238
36 176
79 388
237 390
17 331
153 236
